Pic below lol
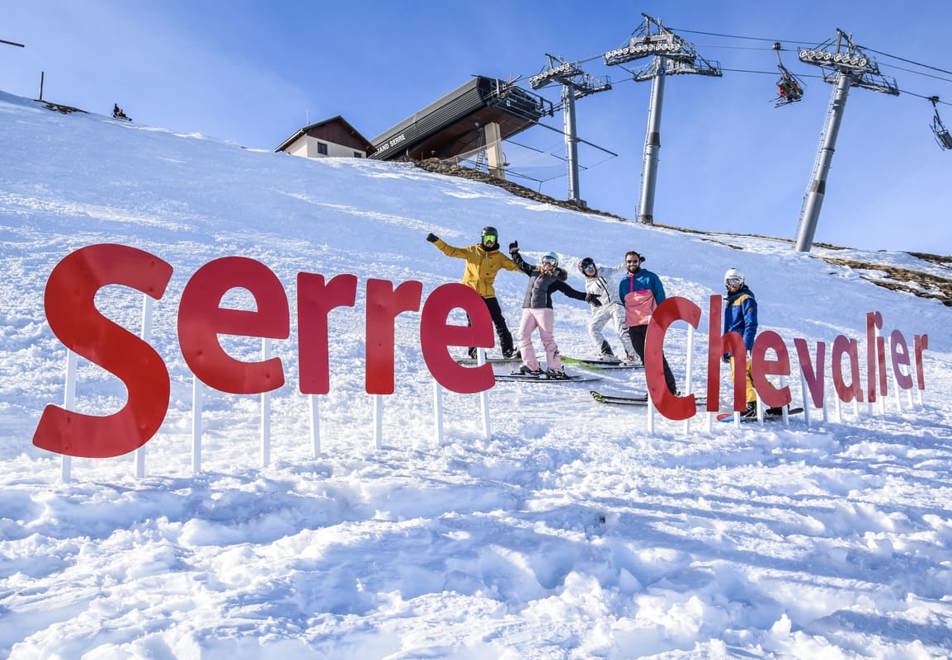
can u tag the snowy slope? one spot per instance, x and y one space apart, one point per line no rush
570 532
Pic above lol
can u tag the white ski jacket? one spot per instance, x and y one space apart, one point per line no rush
605 285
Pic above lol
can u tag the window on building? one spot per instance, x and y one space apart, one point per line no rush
322 148
357 154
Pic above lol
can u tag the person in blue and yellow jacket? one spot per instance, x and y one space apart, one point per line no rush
740 316
641 291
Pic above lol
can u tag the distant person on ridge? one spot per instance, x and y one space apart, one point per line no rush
537 311
483 261
642 291
740 316
117 112
600 283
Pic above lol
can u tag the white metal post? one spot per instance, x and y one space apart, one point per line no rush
437 413
146 335
837 404
823 403
69 398
196 425
378 420
783 409
651 413
265 410
760 411
688 382
315 411
484 397
896 394
806 400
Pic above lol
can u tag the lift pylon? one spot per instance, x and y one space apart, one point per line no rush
671 55
846 65
576 84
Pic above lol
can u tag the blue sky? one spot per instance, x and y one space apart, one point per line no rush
253 72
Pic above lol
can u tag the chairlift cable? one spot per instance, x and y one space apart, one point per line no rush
903 59
920 73
739 36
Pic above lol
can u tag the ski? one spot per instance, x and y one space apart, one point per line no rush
641 400
490 360
729 416
601 364
513 377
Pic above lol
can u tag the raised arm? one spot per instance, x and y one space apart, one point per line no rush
559 285
528 269
446 248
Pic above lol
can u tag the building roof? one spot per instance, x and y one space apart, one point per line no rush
334 122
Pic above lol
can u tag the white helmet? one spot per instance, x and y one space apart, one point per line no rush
733 276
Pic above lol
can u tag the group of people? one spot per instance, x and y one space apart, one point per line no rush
626 295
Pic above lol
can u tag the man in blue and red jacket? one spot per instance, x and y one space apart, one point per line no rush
642 291
740 316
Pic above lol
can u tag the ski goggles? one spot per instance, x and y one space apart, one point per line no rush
733 281
549 261
489 238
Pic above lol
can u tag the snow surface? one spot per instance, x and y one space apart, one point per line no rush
570 532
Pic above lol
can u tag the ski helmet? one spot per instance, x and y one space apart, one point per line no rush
491 235
585 264
733 276
550 258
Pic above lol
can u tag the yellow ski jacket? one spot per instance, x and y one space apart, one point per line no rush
481 266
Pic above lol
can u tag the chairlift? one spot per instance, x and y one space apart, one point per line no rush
789 86
942 135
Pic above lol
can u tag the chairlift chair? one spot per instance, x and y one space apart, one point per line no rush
789 86
942 135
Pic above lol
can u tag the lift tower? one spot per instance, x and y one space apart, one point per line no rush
845 65
672 55
576 84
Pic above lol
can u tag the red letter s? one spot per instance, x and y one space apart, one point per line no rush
71 311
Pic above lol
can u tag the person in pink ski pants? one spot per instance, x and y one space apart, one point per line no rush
537 311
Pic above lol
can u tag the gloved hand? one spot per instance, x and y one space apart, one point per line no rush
561 273
433 238
513 247
593 300
726 358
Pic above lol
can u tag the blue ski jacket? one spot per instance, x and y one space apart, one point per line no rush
740 315
641 292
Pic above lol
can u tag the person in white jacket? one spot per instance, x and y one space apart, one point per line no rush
603 284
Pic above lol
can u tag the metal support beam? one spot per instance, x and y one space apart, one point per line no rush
649 173
816 190
571 140
494 156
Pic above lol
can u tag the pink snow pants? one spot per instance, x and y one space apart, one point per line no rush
544 319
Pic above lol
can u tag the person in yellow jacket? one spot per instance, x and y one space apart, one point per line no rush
483 261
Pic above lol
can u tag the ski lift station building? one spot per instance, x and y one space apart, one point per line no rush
477 115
